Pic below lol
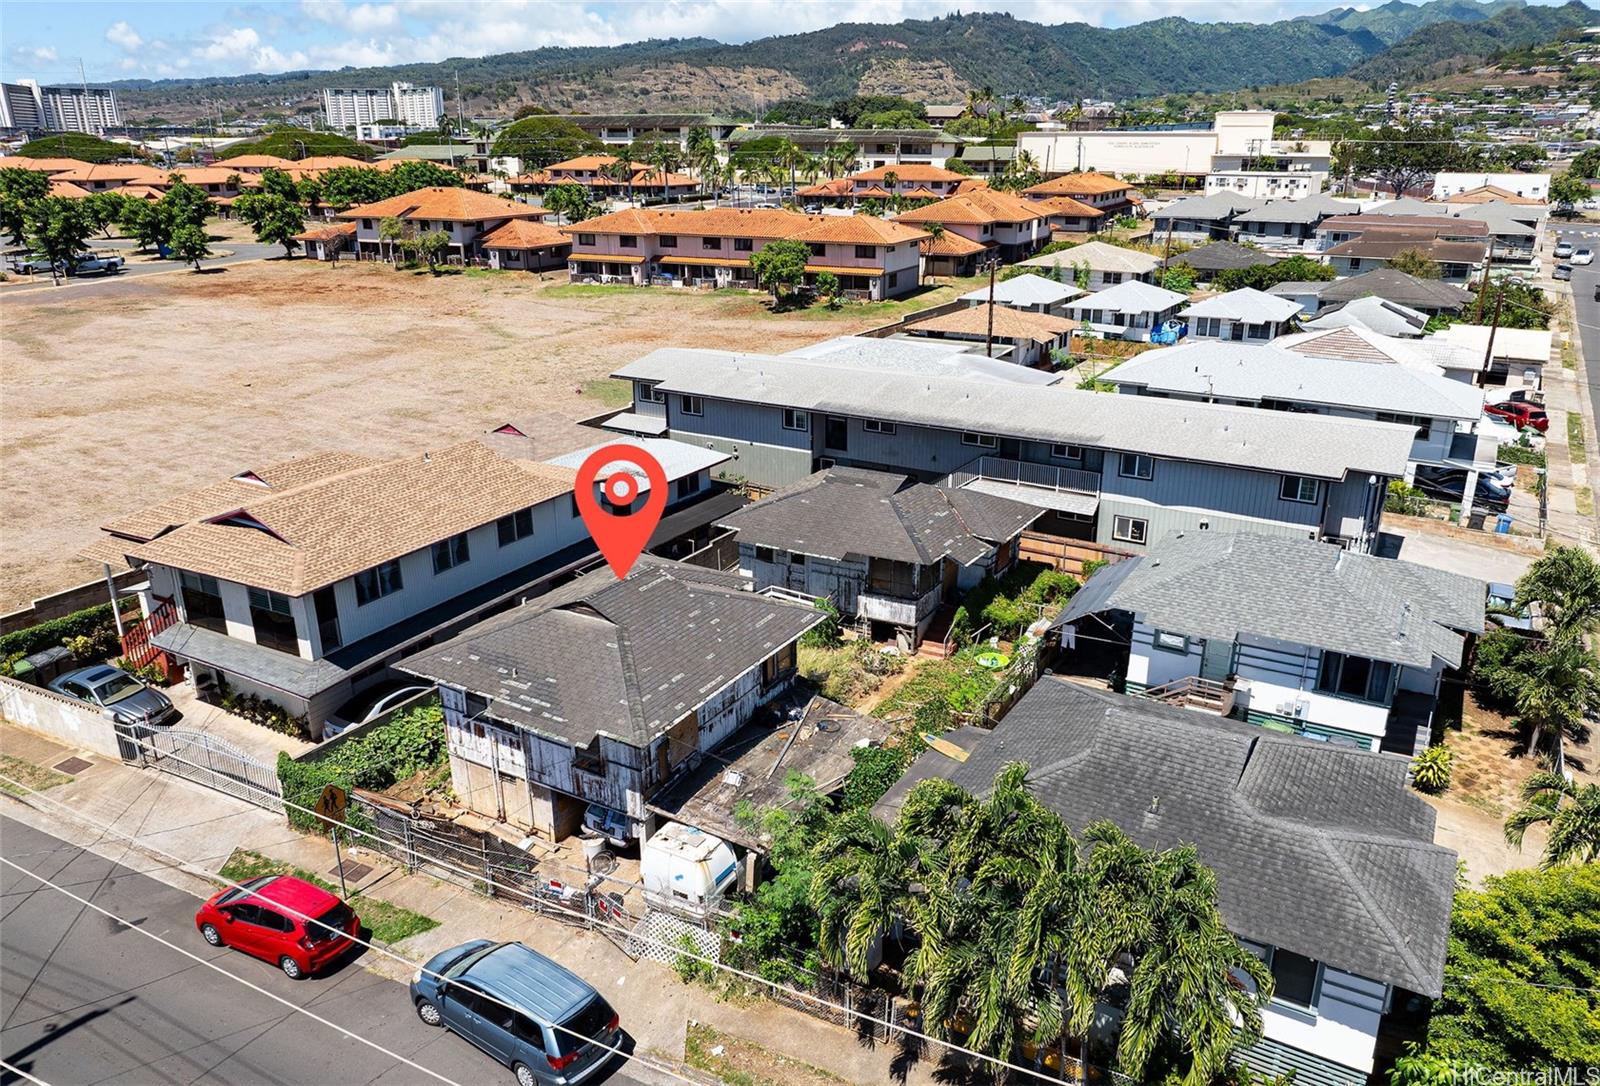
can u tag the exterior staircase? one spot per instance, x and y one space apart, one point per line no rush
936 644
136 646
1193 692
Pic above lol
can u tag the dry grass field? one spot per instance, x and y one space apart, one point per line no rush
114 394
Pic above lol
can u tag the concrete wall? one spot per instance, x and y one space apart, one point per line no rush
71 722
60 604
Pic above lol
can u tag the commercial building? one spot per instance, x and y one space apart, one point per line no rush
1526 186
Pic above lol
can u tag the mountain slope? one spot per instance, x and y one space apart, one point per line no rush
1397 20
1451 46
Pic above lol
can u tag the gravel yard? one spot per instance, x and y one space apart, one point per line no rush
116 394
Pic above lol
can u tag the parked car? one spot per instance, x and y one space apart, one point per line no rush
1597 292
1562 272
32 265
1503 609
1527 395
369 705
128 700
1583 256
1563 249
1520 414
266 918
1447 485
612 825
538 1018
89 264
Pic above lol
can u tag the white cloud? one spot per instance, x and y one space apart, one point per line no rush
45 53
242 50
360 18
123 36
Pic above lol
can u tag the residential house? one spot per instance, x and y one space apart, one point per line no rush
911 180
871 257
1023 337
1215 256
1353 244
1032 293
1113 467
1525 186
256 163
1295 635
113 176
465 216
602 691
989 160
1068 216
1514 229
1007 226
1431 355
328 242
1102 193
1289 225
1518 358
1292 171
1328 379
1373 314
1324 857
526 245
644 181
50 166
220 184
1240 315
1430 296
1096 265
875 147
1132 310
886 551
1197 219
912 355
1486 194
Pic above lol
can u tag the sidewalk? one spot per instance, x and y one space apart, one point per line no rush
1564 393
205 827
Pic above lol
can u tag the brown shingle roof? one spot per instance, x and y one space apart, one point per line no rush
1384 244
313 535
523 234
1008 323
330 162
1433 225
1078 184
977 207
207 175
447 204
838 186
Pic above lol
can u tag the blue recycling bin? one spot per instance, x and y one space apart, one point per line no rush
1502 524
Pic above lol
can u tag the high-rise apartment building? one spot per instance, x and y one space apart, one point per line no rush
351 107
28 107
21 106
418 107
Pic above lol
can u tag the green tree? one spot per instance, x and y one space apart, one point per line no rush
185 205
540 141
1416 262
1400 157
274 219
1179 277
571 201
411 176
344 187
431 246
104 209
145 222
1565 585
190 244
1586 165
1295 269
829 288
18 189
309 192
398 233
1568 190
780 266
57 228
1570 812
620 171
1551 687
274 182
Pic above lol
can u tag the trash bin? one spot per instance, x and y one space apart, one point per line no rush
1502 524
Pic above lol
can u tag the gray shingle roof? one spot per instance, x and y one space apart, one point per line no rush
1129 296
1245 304
1317 445
1311 210
1223 255
626 659
881 515
1396 286
1099 256
1212 585
1374 314
1216 206
1240 371
899 354
1025 290
1319 849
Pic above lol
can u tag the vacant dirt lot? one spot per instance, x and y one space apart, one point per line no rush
115 394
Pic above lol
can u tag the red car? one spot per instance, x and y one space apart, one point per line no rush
265 918
1520 414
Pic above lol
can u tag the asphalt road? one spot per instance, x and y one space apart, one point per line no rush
240 252
1585 278
86 1000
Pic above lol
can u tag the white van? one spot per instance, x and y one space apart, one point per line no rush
686 870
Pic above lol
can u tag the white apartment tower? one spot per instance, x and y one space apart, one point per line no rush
26 106
412 106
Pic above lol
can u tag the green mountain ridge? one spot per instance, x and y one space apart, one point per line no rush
1454 46
1397 20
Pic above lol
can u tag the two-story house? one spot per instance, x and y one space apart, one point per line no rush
1118 470
871 258
602 174
1133 310
912 180
1324 857
462 214
1198 219
886 551
1095 265
1008 227
1289 225
1103 195
1291 634
1427 296
1241 315
1353 244
601 691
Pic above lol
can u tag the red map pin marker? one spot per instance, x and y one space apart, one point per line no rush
621 536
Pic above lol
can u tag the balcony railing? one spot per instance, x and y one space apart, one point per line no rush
1024 473
898 610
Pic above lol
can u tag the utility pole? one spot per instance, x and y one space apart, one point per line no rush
988 345
1488 352
1167 252
1483 288
83 81
460 121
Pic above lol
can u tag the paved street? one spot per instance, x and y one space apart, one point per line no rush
1585 280
84 999
240 252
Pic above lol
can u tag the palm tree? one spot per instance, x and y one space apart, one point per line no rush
1572 813
789 156
1553 688
862 887
1566 585
620 171
842 155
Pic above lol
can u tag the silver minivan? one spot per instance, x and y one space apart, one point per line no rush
540 1019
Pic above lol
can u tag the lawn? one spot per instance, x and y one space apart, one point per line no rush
28 777
388 923
609 392
738 1062
1575 440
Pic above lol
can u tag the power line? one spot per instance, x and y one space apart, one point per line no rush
20 1073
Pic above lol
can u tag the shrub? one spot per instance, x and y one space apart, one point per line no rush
825 634
1430 770
961 626
876 770
92 622
410 742
269 714
1521 454
1405 499
1008 604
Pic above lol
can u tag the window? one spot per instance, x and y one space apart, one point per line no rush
202 602
1067 452
981 441
590 759
1424 425
667 241
836 433
778 668
585 239
1136 466
274 622
325 605
1354 677
378 582
683 488
744 245
648 392
894 279
366 224
1111 279
795 420
514 526
817 248
1294 978
1171 642
764 554
711 243
1258 331
1297 488
1129 529
628 241
692 405
878 426
449 553
866 252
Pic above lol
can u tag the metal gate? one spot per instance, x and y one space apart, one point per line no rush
203 759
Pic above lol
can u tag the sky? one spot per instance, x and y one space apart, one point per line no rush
48 41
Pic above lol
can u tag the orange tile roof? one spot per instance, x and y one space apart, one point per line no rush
875 191
1066 205
838 186
923 194
870 273
257 162
67 190
523 234
141 192
608 258
334 527
976 207
752 222
1078 184
329 162
328 233
126 173
590 163
951 243
856 230
207 175
446 203
46 165
908 171
969 184
1008 323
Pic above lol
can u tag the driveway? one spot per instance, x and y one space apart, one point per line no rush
1441 548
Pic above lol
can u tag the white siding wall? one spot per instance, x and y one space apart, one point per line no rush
1279 677
1344 1027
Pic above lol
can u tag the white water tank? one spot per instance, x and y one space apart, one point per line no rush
686 870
